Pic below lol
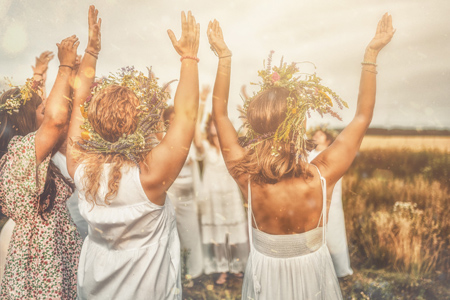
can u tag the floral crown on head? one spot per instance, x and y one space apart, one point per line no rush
305 94
152 100
13 104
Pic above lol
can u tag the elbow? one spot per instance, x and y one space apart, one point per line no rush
363 120
59 121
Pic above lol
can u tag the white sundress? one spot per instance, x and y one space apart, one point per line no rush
184 193
294 266
132 250
336 237
223 224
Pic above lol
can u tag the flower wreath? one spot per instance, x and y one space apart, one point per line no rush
13 104
305 95
152 103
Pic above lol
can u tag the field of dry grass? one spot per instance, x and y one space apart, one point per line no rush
415 143
396 203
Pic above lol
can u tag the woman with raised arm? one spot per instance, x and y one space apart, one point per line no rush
184 194
58 159
323 137
43 253
122 173
39 75
287 196
222 213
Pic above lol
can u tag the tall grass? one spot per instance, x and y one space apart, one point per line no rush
397 211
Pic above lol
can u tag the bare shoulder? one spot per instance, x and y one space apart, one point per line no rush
153 185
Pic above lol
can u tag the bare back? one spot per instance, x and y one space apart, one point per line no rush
290 206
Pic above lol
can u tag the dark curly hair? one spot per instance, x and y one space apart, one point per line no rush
22 123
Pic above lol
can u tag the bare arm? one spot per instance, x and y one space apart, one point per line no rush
85 78
336 159
164 162
40 70
228 138
57 107
198 138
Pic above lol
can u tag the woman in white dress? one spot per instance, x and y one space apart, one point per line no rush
336 237
287 196
132 250
223 222
184 194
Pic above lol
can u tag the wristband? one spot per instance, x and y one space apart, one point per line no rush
229 55
369 63
71 67
92 53
374 72
190 57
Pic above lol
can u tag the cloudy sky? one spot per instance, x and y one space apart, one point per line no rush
413 70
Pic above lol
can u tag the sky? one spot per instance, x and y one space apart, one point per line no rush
413 81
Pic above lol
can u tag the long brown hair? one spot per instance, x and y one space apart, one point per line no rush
112 113
268 161
22 123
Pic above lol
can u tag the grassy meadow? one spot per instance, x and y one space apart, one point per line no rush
397 209
396 204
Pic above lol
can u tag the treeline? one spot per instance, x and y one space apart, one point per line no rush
406 132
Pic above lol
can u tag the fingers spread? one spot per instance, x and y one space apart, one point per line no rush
189 19
172 37
184 25
379 27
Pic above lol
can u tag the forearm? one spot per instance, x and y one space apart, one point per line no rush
186 96
57 106
367 88
222 88
84 79
198 139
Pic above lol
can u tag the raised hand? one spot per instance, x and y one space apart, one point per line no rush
42 61
67 51
95 35
215 38
383 35
187 45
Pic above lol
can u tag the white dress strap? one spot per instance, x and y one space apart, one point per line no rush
256 283
324 206
249 214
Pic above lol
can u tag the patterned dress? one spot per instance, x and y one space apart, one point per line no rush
43 254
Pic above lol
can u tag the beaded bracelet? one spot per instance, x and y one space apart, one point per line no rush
71 67
92 53
229 55
190 57
369 63
374 72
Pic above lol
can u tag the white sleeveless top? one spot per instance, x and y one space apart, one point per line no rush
294 266
132 250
